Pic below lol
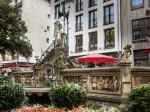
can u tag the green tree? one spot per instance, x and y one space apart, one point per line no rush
12 31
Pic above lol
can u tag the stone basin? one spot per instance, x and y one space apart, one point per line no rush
37 90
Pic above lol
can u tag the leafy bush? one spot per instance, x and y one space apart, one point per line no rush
4 79
140 98
67 96
11 95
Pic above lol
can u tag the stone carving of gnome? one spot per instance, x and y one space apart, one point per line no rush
127 52
58 33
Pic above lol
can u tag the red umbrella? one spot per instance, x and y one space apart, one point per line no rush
96 58
147 50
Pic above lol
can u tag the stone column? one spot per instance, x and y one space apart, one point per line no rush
58 51
125 65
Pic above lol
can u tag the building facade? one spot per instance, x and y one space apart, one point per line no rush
93 26
135 29
36 14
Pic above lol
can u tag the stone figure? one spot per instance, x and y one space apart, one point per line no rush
94 83
100 83
37 64
127 52
58 33
115 83
106 83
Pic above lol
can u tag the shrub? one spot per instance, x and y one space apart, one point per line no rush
67 96
4 79
140 99
11 95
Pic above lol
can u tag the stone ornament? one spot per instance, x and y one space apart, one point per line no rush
58 33
127 52
73 79
104 83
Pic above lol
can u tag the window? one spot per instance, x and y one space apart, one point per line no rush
106 0
79 22
92 3
141 29
79 43
47 40
135 4
57 0
48 15
79 5
48 28
109 14
109 38
93 19
141 58
18 1
57 11
93 41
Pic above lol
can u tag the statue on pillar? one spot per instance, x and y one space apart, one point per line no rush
58 33
127 52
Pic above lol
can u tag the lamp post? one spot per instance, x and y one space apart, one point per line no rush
65 15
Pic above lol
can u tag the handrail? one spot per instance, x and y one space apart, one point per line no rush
48 49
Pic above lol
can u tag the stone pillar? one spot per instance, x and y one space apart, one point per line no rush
89 87
125 65
58 51
59 63
59 79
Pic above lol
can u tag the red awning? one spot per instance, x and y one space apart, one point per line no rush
147 50
14 64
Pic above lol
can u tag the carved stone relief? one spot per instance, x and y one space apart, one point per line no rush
140 80
73 79
105 83
25 80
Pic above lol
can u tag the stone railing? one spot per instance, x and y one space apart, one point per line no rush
102 84
24 78
105 84
140 75
97 80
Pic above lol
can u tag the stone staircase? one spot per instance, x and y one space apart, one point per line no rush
48 52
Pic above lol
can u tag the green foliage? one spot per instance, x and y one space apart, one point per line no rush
12 31
140 98
67 96
11 95
90 105
47 83
108 109
4 79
